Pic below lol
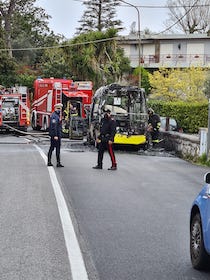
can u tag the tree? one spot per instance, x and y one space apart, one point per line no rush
189 16
54 64
7 70
95 56
23 24
133 78
207 86
99 16
178 85
7 65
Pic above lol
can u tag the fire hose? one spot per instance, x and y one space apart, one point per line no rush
44 134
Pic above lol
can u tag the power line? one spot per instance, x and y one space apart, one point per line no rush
172 6
160 6
107 39
61 46
187 12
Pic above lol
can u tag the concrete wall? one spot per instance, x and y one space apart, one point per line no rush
184 145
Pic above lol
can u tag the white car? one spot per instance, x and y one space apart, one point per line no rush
169 124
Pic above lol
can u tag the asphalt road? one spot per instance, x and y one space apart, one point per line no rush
32 245
135 220
132 224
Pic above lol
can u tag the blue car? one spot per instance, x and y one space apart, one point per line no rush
200 228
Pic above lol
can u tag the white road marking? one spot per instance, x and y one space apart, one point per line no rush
76 261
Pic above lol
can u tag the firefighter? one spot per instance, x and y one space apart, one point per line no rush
153 126
55 130
74 111
66 118
105 140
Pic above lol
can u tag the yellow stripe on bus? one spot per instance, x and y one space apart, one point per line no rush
129 139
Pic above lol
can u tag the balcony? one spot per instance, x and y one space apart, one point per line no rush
172 60
175 60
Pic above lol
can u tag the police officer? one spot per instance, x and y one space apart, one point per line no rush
105 140
55 131
154 126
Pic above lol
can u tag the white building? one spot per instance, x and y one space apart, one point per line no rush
170 51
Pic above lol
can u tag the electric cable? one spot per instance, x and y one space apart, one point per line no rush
179 19
105 39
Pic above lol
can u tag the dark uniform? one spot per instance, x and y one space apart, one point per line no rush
105 141
154 126
55 132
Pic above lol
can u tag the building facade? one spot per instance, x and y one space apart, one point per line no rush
169 51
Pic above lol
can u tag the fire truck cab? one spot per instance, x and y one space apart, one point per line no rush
76 99
14 108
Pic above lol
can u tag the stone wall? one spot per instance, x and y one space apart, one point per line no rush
184 145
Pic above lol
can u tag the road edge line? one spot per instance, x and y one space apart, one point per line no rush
76 260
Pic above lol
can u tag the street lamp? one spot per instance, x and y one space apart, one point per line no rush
139 39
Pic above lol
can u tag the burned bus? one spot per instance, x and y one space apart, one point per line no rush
128 107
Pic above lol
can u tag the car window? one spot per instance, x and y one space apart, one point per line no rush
163 122
172 124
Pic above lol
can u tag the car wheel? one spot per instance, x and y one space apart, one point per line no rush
199 257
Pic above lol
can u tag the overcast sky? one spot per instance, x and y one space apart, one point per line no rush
66 14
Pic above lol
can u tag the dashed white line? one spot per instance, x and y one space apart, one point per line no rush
76 261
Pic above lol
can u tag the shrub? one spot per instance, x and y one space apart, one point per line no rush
190 116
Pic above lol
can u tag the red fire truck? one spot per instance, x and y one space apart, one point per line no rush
76 98
14 108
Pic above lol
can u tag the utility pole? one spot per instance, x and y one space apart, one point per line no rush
139 40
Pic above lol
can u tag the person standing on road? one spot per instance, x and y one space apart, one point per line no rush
55 132
105 140
153 126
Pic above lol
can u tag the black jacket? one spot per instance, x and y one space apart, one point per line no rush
154 120
55 128
108 129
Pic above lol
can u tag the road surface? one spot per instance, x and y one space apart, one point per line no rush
130 224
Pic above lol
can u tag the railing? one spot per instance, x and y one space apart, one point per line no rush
172 60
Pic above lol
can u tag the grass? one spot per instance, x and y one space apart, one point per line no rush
203 160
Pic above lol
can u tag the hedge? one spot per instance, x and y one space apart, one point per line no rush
190 116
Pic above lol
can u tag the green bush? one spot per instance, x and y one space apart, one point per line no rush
190 116
203 160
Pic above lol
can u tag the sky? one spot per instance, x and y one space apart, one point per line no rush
66 14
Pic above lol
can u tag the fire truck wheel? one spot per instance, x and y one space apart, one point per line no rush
45 126
33 124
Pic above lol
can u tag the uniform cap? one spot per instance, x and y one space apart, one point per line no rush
58 105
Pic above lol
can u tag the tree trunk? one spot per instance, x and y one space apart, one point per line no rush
7 15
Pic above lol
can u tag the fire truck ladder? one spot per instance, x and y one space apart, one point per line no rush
24 106
58 94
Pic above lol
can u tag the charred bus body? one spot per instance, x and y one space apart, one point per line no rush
128 107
